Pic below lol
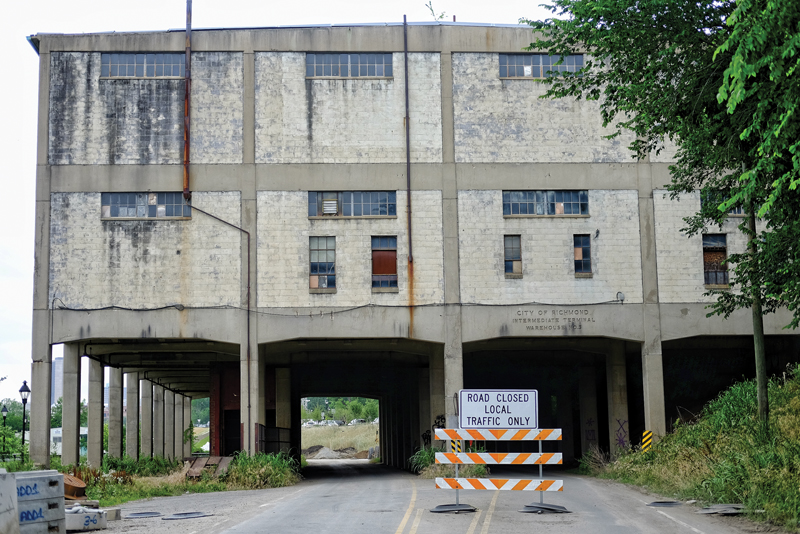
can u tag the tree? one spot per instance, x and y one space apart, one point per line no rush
656 68
371 409
201 410
14 417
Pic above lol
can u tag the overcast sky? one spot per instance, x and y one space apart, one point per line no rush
18 113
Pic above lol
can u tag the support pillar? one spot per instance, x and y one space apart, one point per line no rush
424 377
567 443
187 420
453 363
147 418
38 438
158 420
71 406
115 412
588 407
169 424
178 452
95 438
132 426
617 387
436 386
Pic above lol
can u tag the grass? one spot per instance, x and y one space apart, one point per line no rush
424 463
727 455
359 437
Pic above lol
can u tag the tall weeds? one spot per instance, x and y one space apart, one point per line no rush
262 471
728 455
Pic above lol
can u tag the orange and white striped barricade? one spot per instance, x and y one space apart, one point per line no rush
490 458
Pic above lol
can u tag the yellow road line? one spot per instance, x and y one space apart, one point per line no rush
474 524
489 513
410 509
416 522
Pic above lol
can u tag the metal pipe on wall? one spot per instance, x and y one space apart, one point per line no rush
187 193
408 143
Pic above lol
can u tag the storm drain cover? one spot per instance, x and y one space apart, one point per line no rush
545 509
142 515
187 515
723 509
664 504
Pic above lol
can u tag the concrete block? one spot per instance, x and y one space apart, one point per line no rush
38 485
9 514
80 519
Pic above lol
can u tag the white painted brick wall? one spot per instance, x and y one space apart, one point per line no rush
346 120
548 253
140 121
283 259
505 121
136 264
680 257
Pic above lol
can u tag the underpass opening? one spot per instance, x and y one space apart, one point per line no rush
334 427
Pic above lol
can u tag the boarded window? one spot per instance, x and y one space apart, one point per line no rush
322 251
715 252
582 253
384 261
512 255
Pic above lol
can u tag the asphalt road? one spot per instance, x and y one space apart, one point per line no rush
355 497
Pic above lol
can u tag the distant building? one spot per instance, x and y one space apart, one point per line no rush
57 380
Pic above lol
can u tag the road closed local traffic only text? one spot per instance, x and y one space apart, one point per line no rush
498 408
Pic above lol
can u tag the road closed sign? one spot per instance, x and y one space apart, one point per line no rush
498 408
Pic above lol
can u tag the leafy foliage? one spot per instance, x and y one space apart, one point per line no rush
200 410
56 413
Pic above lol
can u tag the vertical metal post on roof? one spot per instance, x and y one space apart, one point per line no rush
187 194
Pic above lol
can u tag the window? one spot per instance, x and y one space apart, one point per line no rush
717 199
348 65
537 65
352 203
144 205
142 65
513 256
384 262
715 252
323 263
545 203
583 254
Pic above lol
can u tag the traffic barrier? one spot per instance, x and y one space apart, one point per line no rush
536 434
510 484
499 458
455 446
458 458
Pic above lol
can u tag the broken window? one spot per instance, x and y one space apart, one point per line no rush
715 252
144 205
352 203
545 203
384 261
348 65
512 256
537 65
142 65
583 254
322 251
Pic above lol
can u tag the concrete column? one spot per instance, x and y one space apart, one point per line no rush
147 418
283 397
41 351
71 405
178 453
453 363
652 367
169 424
424 377
132 426
436 385
158 420
115 412
588 406
617 387
95 437
187 418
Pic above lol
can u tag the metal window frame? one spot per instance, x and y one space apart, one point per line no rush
178 59
338 55
151 199
542 197
539 64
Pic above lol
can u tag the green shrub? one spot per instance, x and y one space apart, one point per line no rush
143 467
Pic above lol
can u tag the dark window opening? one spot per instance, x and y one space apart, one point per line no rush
715 252
583 254
322 251
545 203
512 255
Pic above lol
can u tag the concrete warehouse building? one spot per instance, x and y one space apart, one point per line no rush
503 243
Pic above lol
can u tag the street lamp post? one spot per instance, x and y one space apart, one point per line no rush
24 392
5 414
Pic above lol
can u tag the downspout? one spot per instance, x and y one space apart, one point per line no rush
408 190
249 429
187 194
